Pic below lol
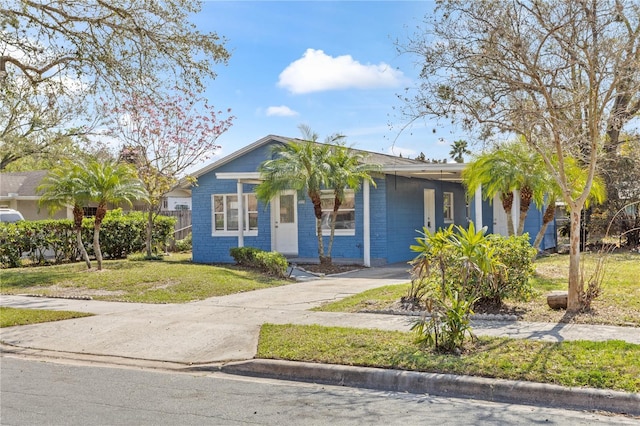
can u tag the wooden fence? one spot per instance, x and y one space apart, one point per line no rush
183 222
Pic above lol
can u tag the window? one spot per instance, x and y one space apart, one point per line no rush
448 206
225 214
90 211
346 218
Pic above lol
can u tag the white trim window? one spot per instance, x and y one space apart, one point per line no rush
224 215
346 219
447 207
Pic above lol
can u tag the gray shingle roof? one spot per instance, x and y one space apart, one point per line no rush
22 183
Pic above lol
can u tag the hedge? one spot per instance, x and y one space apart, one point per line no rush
54 241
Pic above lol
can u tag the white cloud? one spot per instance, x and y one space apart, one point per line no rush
317 71
281 111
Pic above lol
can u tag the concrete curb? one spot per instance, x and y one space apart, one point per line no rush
498 390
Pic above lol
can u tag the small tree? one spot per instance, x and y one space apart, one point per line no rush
348 169
163 139
62 187
302 166
106 183
508 167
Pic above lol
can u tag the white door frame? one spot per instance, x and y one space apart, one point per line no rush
284 237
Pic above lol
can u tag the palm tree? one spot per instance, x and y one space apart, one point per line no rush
60 188
578 175
509 167
108 182
301 166
458 150
347 170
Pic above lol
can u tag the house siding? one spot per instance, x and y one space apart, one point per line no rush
210 249
396 216
405 212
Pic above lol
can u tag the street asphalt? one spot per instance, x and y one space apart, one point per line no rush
215 332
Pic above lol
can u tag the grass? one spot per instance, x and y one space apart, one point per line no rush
603 365
172 280
619 303
16 316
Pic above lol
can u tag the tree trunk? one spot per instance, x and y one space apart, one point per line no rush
82 249
78 215
149 236
317 209
574 302
101 212
96 245
525 201
507 204
549 214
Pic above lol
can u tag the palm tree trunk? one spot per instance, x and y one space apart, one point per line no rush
78 215
525 201
82 249
96 246
507 204
549 214
101 211
317 209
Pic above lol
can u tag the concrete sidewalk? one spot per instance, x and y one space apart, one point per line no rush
223 329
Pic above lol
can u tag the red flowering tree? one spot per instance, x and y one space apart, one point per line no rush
164 138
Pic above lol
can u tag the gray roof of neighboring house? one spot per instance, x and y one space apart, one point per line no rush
22 183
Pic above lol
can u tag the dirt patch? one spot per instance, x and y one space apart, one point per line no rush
70 292
328 269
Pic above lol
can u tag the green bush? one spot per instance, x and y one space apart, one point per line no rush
184 244
272 263
516 255
47 241
245 256
488 268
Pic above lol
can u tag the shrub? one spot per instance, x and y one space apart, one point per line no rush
488 268
46 241
447 325
272 263
515 254
184 244
245 256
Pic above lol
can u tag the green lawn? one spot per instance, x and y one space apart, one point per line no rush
618 305
15 316
604 365
172 280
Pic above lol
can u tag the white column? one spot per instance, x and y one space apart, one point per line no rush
515 211
366 229
240 215
477 202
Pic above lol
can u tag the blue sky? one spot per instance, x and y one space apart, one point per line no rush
330 65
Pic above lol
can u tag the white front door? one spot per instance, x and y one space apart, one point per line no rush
285 223
430 210
499 217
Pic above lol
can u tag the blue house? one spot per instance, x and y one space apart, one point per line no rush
375 225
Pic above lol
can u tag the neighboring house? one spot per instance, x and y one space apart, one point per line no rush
177 199
18 192
376 225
